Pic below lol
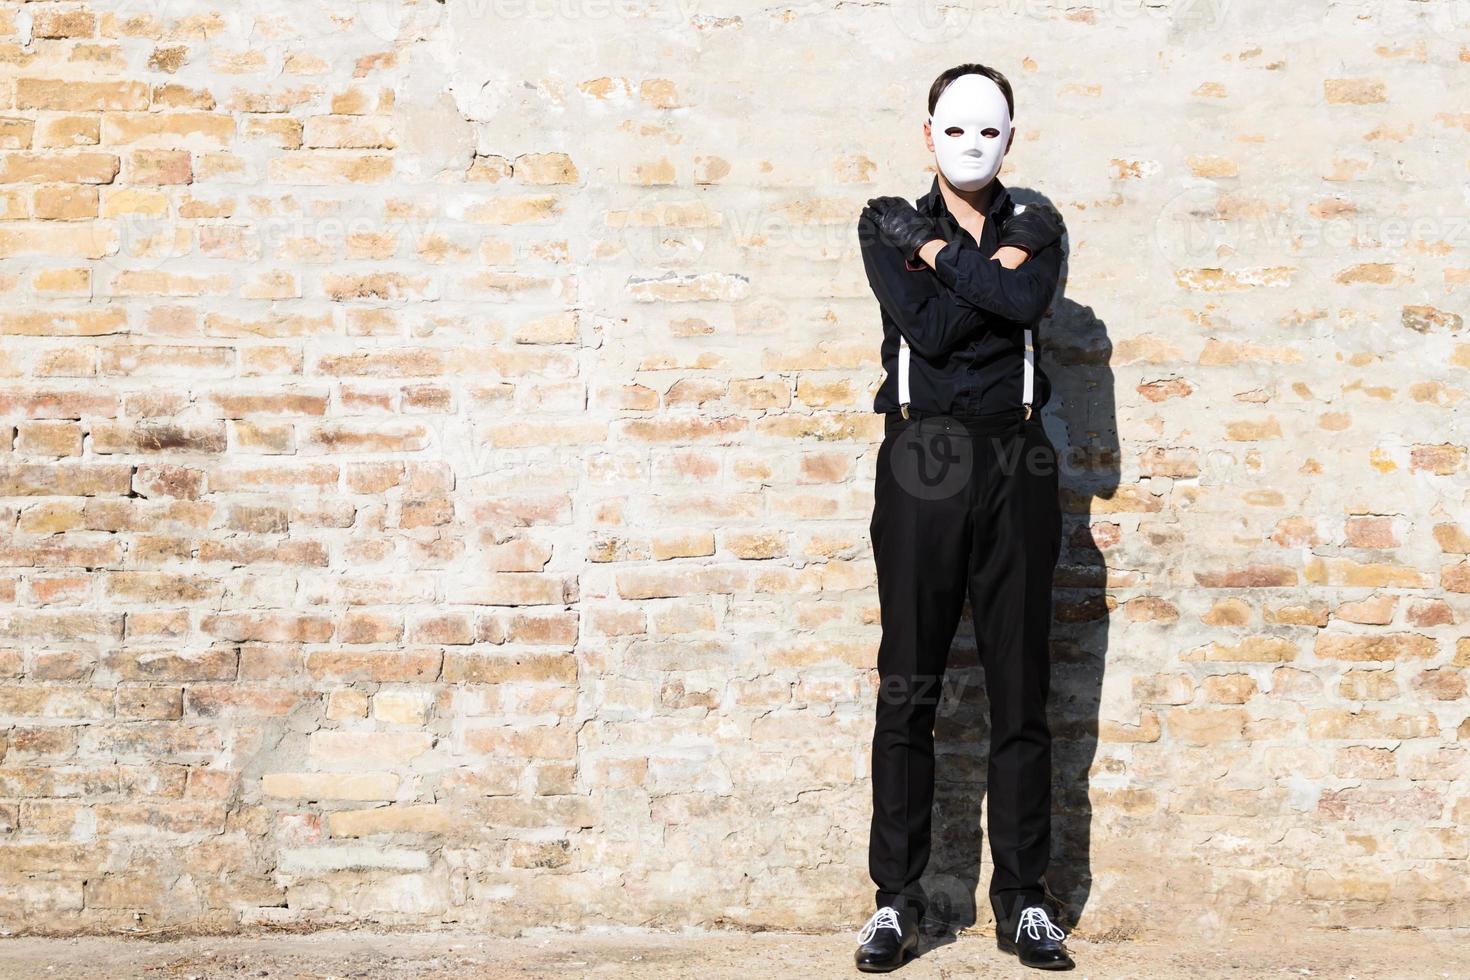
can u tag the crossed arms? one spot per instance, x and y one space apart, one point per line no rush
940 309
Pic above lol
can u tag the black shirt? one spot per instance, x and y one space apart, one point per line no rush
967 322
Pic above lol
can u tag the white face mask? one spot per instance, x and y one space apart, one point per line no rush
970 128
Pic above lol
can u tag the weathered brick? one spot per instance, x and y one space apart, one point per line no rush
404 819
1368 685
1335 723
368 750
63 323
1251 649
1374 646
393 665
310 786
216 664
71 94
480 668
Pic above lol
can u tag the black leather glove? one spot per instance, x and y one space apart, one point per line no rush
901 225
1032 229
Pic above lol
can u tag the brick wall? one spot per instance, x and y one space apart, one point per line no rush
438 459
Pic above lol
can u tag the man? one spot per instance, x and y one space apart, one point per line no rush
965 500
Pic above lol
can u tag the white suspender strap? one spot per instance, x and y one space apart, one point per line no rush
1028 370
903 375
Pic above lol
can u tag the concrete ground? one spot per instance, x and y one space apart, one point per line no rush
713 956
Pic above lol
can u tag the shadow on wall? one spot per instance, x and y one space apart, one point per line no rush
1081 419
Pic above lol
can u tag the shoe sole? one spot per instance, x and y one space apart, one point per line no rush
1001 945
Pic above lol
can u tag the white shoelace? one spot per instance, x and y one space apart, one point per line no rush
1035 917
884 918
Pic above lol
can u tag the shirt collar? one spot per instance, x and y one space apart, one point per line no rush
932 204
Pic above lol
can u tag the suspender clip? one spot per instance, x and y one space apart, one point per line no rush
1028 411
904 409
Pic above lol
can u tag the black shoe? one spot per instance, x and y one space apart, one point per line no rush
886 941
1036 941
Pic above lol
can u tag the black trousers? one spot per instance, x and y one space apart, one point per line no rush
964 505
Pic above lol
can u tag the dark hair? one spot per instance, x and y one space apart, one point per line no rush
942 82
